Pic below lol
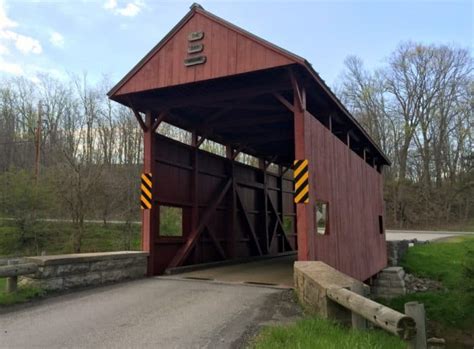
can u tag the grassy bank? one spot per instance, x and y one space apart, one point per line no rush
22 295
317 333
445 261
55 238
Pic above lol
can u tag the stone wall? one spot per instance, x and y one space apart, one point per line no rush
312 280
389 283
396 250
85 269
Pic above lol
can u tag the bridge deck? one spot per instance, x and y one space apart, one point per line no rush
274 271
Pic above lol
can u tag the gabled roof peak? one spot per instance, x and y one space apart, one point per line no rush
195 5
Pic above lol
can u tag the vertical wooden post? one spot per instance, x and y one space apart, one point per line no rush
280 201
150 217
232 238
358 322
303 151
262 166
417 312
194 193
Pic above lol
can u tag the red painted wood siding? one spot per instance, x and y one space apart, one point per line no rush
172 182
353 190
228 52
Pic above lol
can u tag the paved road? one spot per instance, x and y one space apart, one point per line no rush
155 313
422 235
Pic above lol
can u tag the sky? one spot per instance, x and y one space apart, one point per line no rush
108 37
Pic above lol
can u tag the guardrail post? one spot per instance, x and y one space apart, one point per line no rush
358 322
417 312
12 281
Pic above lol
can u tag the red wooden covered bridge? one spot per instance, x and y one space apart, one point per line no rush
316 187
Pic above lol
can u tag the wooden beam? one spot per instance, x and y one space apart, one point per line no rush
284 101
215 242
216 116
195 193
279 222
304 223
150 217
262 164
247 220
184 251
297 92
280 195
250 121
200 141
273 234
211 98
161 117
232 213
260 138
247 107
140 120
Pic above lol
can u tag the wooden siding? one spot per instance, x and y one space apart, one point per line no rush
353 190
173 173
228 52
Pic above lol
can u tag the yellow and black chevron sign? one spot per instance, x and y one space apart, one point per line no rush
300 174
146 197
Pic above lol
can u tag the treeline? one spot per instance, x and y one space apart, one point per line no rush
66 151
419 108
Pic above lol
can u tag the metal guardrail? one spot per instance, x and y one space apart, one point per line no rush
12 270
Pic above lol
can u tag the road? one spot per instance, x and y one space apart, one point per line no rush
154 313
422 235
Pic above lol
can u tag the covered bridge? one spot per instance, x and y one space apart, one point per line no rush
316 187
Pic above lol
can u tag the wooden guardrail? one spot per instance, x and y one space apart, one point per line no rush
390 320
335 295
13 270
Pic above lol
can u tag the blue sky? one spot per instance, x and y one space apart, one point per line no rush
110 36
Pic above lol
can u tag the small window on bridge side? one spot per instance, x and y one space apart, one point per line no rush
171 221
322 218
381 227
289 225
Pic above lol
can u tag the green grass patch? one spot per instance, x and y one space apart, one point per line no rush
23 294
55 238
444 261
317 333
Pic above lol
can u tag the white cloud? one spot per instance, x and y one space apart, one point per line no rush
56 39
4 50
130 9
25 44
110 4
11 68
5 22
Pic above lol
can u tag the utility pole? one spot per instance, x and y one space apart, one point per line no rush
38 140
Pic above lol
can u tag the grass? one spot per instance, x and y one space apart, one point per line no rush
23 294
55 238
317 333
442 261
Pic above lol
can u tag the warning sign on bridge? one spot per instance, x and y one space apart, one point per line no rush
300 174
146 196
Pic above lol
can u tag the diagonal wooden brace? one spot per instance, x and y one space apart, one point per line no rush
184 251
247 220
